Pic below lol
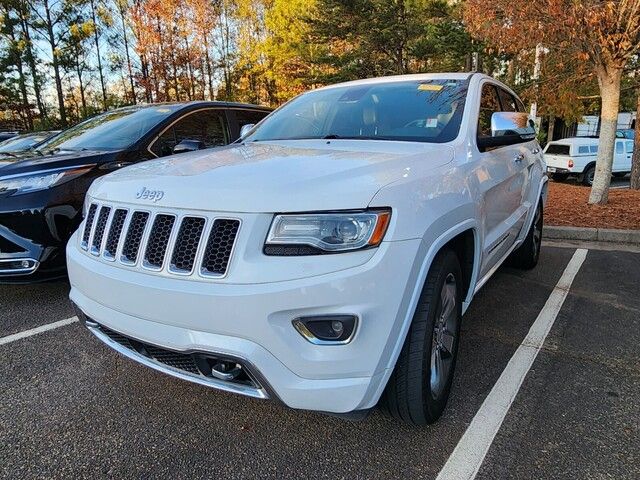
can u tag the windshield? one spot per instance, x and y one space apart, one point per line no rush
415 111
23 142
110 131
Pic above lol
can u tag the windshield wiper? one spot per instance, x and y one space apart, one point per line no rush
8 154
333 136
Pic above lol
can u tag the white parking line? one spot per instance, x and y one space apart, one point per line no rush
37 330
467 457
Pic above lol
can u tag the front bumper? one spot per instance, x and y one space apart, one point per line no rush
253 322
34 228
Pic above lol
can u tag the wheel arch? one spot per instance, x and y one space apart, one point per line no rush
464 239
588 166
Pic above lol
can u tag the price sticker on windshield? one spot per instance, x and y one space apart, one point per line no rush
429 87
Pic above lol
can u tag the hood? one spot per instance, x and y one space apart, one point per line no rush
302 175
33 160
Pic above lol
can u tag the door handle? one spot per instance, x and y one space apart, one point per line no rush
519 158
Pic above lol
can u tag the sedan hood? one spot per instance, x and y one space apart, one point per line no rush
270 177
33 160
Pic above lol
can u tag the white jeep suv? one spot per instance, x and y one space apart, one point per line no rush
326 259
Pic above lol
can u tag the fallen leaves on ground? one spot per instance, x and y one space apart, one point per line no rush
567 206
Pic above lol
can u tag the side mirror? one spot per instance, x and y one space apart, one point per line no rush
246 129
508 128
188 146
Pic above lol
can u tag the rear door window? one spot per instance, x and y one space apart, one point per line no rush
246 117
557 149
583 150
207 126
507 101
593 148
629 147
489 104
619 147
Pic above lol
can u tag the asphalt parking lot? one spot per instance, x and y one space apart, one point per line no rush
69 407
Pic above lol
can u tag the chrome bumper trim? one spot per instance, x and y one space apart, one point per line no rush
245 390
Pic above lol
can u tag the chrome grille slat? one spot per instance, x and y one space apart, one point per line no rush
115 232
88 225
219 247
133 239
186 245
159 236
168 243
99 229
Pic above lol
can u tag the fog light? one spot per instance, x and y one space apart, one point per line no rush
327 329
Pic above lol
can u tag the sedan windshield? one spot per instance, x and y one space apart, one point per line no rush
415 111
22 142
112 130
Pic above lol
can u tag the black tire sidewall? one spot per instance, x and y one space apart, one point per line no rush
433 407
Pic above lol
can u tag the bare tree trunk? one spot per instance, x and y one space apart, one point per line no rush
26 35
609 82
56 64
208 62
96 37
81 84
635 163
26 108
552 127
125 39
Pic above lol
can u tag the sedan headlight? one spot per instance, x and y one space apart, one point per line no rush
316 233
32 182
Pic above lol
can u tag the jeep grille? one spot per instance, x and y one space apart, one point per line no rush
177 244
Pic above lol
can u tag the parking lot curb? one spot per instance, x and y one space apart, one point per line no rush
591 234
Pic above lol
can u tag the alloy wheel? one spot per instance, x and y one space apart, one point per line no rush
444 336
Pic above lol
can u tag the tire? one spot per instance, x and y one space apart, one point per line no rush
560 177
587 176
415 393
526 255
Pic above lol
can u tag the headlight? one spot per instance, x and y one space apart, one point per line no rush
32 182
316 233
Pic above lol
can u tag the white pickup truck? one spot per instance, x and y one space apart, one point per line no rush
325 259
577 156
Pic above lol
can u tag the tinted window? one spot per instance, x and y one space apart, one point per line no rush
416 111
206 126
593 148
489 104
583 149
245 117
112 130
619 147
22 142
557 149
507 101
